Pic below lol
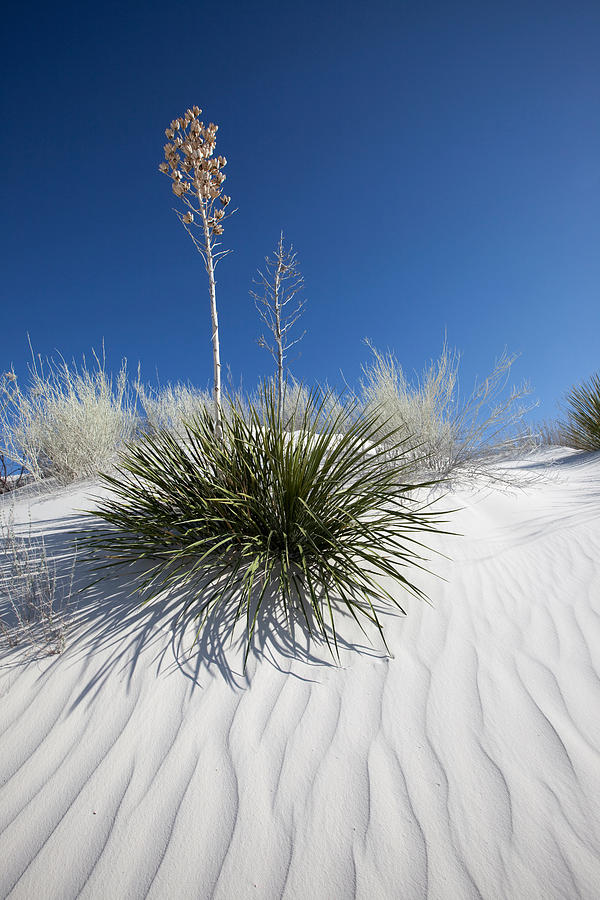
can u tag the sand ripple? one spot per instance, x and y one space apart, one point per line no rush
466 766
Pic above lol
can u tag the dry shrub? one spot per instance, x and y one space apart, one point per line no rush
447 432
67 422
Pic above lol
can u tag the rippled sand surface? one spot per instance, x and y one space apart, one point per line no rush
467 765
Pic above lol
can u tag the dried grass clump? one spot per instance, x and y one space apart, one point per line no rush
68 422
296 403
549 433
449 433
170 406
11 476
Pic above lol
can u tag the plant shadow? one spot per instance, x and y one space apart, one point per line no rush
113 630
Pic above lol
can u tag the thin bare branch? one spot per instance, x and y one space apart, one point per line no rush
279 285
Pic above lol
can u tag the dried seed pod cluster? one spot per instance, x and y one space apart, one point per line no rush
193 169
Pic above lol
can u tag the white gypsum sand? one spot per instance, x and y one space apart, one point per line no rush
467 765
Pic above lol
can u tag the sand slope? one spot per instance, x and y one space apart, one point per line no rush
466 766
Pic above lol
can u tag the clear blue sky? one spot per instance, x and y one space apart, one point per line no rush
436 165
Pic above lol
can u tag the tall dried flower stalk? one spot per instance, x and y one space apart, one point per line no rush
280 283
198 183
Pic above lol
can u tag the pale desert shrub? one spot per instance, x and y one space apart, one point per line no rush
67 422
549 433
170 406
34 601
295 403
446 432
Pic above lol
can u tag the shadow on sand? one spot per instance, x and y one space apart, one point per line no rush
114 630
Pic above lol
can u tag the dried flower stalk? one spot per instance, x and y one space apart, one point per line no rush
197 181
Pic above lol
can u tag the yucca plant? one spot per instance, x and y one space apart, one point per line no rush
314 518
582 427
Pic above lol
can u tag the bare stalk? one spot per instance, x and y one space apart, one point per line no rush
280 283
210 270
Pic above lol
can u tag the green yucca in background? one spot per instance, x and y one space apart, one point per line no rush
582 427
314 518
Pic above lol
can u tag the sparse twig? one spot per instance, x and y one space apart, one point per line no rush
34 600
280 284
9 480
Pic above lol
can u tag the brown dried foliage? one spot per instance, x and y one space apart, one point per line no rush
194 170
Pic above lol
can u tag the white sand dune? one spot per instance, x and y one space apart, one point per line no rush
468 765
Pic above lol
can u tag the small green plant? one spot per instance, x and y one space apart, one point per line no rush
315 517
581 429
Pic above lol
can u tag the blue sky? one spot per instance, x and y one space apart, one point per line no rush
436 166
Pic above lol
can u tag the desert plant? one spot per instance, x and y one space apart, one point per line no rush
296 404
68 421
189 154
581 427
422 408
169 406
34 610
491 420
449 432
11 476
279 286
317 517
548 433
